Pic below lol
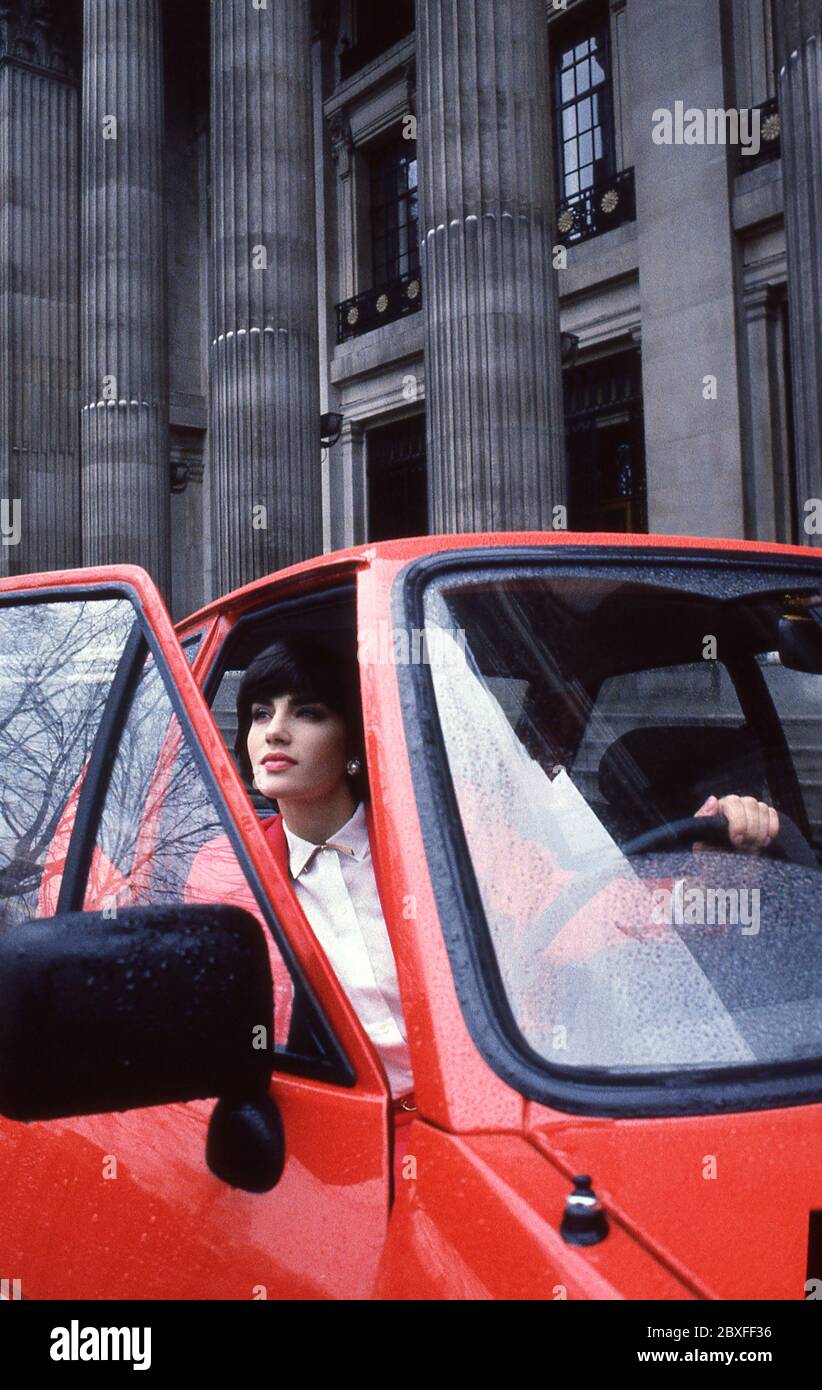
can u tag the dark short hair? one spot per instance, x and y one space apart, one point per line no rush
304 667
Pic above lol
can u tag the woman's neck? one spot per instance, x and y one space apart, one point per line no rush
317 821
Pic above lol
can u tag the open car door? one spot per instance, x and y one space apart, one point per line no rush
117 792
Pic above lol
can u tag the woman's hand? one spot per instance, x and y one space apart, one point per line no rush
752 824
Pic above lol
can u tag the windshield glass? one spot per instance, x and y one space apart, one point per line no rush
580 711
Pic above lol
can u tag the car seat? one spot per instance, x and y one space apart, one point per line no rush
652 775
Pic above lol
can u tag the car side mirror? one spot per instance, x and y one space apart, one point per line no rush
153 1005
800 643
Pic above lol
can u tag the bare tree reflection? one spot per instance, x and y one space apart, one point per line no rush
56 665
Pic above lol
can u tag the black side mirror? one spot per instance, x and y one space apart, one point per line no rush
800 642
155 1005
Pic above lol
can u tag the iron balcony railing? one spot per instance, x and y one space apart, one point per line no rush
599 209
770 137
384 304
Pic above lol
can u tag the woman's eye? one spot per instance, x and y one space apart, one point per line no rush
259 714
312 713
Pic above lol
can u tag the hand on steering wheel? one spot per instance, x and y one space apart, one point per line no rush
687 831
752 824
708 827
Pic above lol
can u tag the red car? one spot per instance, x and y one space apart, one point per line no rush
614 1016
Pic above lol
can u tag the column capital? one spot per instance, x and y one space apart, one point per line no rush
36 34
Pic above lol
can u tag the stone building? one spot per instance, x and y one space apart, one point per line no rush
444 238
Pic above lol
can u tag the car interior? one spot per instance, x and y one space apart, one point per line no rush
729 739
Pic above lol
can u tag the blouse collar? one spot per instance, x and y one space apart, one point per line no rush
350 839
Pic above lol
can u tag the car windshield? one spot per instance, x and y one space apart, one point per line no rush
581 710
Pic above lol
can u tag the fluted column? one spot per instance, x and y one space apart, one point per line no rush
799 52
124 419
39 290
264 444
495 443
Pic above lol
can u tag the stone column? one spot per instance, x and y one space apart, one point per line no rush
264 371
687 272
124 419
39 290
495 445
799 55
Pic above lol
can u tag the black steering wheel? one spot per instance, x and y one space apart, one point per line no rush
789 844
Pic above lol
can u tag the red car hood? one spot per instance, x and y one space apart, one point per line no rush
726 1200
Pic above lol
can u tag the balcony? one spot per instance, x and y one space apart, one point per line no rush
770 138
598 209
384 304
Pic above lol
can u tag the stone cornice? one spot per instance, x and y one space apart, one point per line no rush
362 83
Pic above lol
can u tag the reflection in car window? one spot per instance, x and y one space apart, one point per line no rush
160 838
625 727
191 646
57 661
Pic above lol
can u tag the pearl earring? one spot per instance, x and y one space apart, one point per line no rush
352 767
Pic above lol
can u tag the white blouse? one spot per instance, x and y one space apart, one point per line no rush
337 890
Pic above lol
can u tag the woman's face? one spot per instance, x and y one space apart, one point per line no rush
297 748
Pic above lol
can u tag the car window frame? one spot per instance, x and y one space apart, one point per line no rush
336 1068
475 970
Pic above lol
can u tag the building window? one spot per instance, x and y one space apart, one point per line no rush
583 110
394 236
395 254
397 481
377 27
593 197
605 444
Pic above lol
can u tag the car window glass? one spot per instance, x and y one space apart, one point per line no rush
604 960
57 661
160 837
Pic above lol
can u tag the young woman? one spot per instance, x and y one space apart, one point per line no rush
300 743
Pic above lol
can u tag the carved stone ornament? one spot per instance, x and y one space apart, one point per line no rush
37 34
342 142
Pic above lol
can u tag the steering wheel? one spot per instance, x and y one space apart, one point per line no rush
789 844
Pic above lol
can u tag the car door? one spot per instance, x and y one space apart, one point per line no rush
115 781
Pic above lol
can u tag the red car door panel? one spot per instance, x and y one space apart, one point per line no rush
124 1205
